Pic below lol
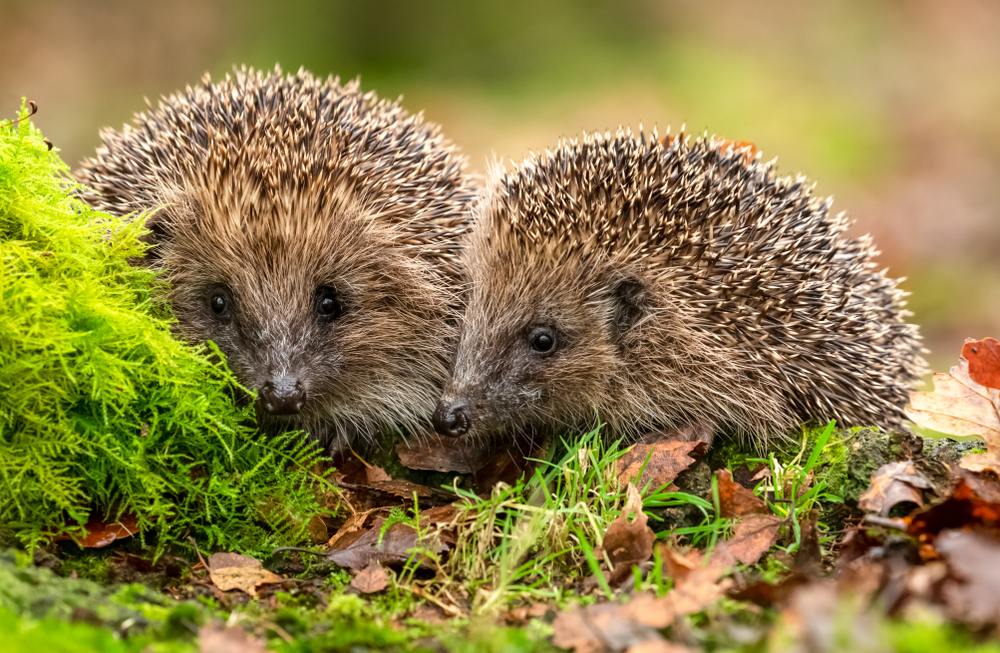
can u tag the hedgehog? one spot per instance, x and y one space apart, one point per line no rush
677 285
309 230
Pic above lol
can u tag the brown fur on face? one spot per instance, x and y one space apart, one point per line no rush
280 195
684 286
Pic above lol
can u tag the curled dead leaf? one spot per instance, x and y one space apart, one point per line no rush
754 536
628 543
231 571
371 579
100 533
613 627
735 500
894 483
697 583
437 453
960 406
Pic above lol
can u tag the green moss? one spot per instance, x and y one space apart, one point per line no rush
90 564
101 409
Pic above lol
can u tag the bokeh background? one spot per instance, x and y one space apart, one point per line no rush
890 106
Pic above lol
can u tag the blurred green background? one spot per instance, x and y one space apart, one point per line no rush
890 106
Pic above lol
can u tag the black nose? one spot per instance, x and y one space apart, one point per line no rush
451 418
283 395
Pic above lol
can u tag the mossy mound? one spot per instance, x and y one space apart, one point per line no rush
102 412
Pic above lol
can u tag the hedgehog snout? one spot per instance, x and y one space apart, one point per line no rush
451 418
283 395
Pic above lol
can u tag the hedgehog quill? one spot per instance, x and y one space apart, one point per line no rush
308 229
678 285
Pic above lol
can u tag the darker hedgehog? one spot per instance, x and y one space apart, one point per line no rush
678 285
308 229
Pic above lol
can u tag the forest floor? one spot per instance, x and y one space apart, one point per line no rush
844 541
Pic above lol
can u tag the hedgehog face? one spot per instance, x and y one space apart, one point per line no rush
317 313
308 228
538 348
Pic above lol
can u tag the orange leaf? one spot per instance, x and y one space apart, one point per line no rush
371 579
984 361
737 501
100 534
754 536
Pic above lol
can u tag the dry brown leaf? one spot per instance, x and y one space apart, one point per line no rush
963 509
429 613
404 489
613 627
371 579
766 595
628 543
984 361
974 561
318 533
754 536
667 459
894 483
437 453
722 557
396 546
232 571
353 524
100 534
697 584
246 579
375 474
735 500
960 406
809 557
217 638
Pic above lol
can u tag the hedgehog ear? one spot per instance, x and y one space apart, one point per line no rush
160 232
628 299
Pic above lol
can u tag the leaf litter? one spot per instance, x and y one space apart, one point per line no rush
394 534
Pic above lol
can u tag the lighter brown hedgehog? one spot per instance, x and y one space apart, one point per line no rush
677 285
308 229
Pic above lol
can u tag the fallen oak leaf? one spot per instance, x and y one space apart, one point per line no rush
973 594
510 463
754 536
767 594
437 453
403 489
735 500
100 534
395 546
984 361
809 558
357 548
960 406
666 460
894 483
628 543
698 582
371 579
230 571
963 509
611 626
352 526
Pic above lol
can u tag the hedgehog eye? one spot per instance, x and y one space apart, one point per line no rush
328 304
219 305
542 340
